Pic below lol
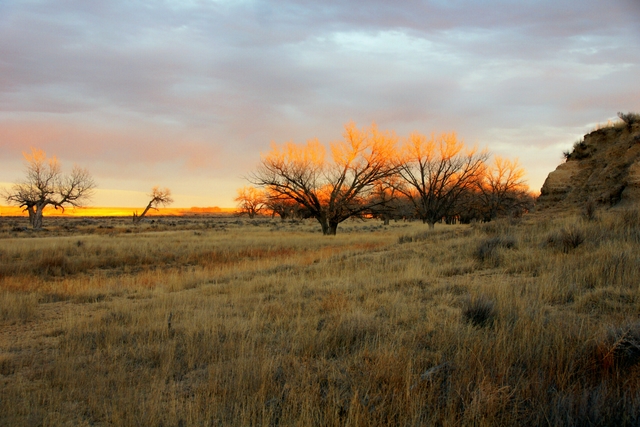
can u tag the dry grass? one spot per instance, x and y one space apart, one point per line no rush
226 322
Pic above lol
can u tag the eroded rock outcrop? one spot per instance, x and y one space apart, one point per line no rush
604 168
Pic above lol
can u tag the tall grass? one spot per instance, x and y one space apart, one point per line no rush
397 325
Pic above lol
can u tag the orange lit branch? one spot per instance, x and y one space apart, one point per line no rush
250 201
502 188
330 190
436 172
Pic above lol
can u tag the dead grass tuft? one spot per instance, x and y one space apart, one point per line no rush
565 240
479 311
487 251
18 307
620 350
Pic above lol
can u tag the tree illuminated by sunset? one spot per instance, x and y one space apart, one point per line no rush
159 197
503 188
335 185
250 200
436 172
281 205
46 185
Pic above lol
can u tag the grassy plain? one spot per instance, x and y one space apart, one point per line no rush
224 321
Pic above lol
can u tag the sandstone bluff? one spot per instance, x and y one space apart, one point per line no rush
603 168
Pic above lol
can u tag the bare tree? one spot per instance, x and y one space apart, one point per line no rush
46 185
437 172
159 196
282 205
251 201
385 197
334 189
502 189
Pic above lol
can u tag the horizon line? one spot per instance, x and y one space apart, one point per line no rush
115 211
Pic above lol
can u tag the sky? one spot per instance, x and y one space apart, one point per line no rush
187 94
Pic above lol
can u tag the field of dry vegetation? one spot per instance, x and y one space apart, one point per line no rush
225 321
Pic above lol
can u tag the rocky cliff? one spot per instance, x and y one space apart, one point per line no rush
603 168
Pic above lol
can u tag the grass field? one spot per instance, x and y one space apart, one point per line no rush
217 321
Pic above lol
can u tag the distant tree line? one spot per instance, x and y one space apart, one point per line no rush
375 174
369 173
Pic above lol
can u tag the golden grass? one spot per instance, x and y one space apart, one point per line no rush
231 322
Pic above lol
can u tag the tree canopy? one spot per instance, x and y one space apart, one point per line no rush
374 173
46 185
330 186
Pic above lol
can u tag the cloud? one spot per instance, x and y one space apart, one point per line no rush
175 89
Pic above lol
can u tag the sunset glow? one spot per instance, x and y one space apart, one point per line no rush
6 211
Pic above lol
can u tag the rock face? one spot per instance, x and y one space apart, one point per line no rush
603 168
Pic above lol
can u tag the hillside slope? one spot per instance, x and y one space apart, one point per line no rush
603 168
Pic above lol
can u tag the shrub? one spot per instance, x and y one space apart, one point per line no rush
480 311
621 348
589 211
405 239
566 239
630 218
580 151
53 265
487 250
418 237
629 118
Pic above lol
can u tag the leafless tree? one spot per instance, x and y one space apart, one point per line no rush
283 206
385 197
437 172
159 196
330 190
46 185
502 189
250 200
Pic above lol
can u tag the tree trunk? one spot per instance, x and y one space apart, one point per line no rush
333 228
32 214
432 225
37 218
138 218
386 220
324 225
329 227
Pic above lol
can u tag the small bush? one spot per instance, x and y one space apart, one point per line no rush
418 237
589 211
630 218
629 118
405 239
565 240
487 250
580 151
479 312
621 348
54 264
